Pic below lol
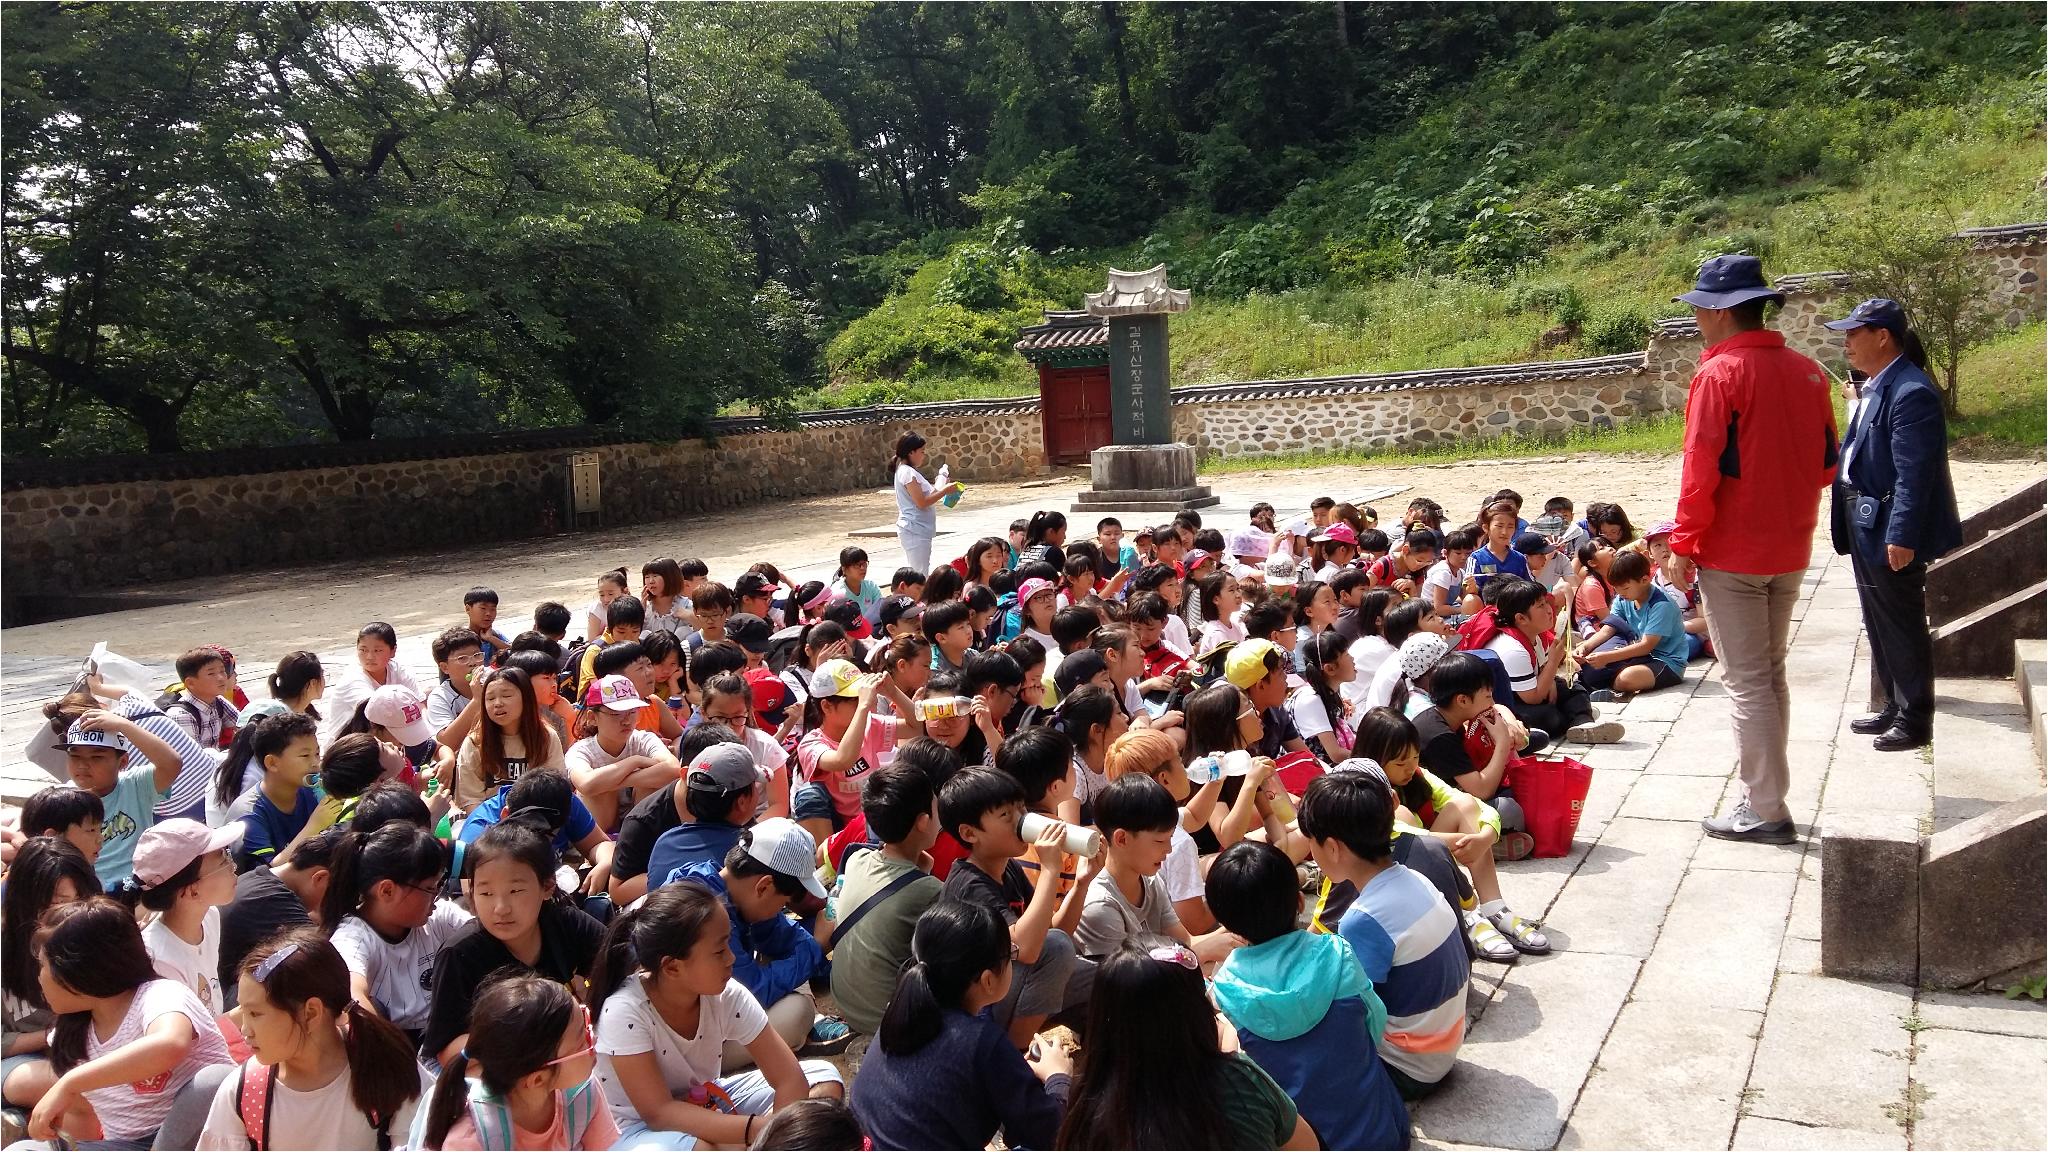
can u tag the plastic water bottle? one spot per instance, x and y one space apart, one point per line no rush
945 478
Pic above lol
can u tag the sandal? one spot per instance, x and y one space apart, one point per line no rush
1521 934
1514 846
1485 942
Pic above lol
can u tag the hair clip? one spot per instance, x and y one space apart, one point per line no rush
270 962
1175 953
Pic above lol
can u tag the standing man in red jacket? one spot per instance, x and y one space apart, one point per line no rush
1760 446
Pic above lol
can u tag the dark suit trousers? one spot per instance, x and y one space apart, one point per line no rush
1901 652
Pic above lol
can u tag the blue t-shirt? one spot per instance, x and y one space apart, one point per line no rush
267 828
1657 617
581 823
695 842
1484 564
127 814
867 596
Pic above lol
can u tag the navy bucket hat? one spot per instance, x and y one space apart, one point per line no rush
1726 281
1874 313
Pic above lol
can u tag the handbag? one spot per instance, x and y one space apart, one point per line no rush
1552 793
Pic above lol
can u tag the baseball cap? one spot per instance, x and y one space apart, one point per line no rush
398 708
770 696
1032 588
722 768
836 678
753 584
748 631
78 736
1420 652
897 609
1192 558
1280 572
1246 663
1251 542
1532 544
846 613
169 846
784 846
1661 528
615 694
1877 312
1338 533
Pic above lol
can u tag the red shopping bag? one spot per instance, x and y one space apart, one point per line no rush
1552 794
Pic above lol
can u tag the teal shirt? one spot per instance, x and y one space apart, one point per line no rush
128 813
1658 617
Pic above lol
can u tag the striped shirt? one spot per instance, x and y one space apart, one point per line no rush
1413 951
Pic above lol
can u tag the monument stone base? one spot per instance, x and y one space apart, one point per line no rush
1143 478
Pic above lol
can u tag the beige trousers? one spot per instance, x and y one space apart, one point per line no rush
1750 620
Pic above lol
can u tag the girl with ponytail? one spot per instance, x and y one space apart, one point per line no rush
1089 716
523 1079
326 1072
666 1004
381 912
942 1074
300 681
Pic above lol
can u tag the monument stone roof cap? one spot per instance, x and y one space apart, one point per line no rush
1137 294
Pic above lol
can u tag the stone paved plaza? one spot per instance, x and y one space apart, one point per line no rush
1683 1006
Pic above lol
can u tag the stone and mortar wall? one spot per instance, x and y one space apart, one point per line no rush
156 520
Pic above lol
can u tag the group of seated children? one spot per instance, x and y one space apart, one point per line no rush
1219 813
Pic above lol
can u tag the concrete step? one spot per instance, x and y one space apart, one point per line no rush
1980 643
1983 749
2030 674
2005 558
1982 891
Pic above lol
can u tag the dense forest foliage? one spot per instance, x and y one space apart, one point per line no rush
229 225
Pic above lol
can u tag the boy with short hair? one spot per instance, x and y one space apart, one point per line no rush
1116 555
480 604
1642 643
900 615
868 925
949 627
1302 1006
666 808
629 659
982 808
69 813
96 753
201 706
623 621
1164 581
551 620
1399 926
718 792
1127 899
454 705
712 605
1532 657
907 582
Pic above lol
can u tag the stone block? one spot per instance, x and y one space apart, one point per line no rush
1142 466
1980 643
1832 1054
1982 893
1513 1087
2008 510
1983 751
1870 896
2005 558
1691 1066
1981 1091
1719 946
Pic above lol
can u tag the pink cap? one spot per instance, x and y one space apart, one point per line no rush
1193 558
168 846
1661 528
615 694
1032 588
1339 533
398 708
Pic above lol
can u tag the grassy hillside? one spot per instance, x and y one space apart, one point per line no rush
1580 181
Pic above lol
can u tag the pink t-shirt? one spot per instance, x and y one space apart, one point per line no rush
601 1132
1589 604
136 1110
876 750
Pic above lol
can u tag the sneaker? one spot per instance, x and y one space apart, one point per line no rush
1538 741
1514 846
1596 732
829 1037
1744 824
1485 942
1610 696
1520 933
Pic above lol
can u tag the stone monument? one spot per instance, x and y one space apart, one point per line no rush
1145 470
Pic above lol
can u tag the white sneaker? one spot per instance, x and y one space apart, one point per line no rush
1597 732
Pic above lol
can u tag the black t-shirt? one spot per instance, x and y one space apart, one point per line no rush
1278 731
262 907
652 816
1443 747
1052 554
569 940
1008 896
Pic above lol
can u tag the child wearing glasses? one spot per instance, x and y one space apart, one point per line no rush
532 1052
385 920
184 873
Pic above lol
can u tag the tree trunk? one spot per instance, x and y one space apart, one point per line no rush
1127 112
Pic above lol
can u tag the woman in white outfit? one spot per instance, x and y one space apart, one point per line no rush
917 502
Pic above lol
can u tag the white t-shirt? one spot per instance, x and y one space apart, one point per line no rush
196 966
630 1025
588 755
1175 635
1052 646
1380 693
347 694
400 975
137 1109
444 704
768 756
1182 871
1311 716
1441 576
1515 659
1368 654
325 1117
1220 632
909 517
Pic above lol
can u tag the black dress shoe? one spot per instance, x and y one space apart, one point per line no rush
1899 738
1872 725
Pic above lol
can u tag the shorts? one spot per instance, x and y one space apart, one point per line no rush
1060 979
8 1066
814 802
1605 677
750 1093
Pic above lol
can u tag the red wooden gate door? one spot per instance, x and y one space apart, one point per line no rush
1074 403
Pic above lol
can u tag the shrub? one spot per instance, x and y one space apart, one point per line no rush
1613 331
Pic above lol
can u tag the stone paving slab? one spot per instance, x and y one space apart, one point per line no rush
1973 1097
1665 1080
1524 1062
1616 903
1764 1134
1832 1053
1719 947
1691 798
1984 1012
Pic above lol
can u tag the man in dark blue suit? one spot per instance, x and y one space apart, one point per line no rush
1894 513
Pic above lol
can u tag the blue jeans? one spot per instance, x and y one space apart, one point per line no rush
750 1093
